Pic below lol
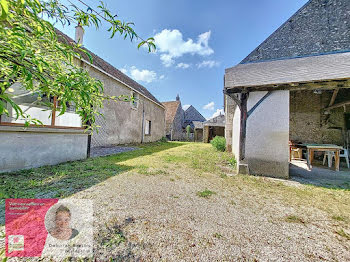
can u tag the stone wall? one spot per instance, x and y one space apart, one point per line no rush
122 123
321 26
309 124
177 126
230 107
23 148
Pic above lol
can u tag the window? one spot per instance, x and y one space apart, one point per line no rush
134 100
148 128
38 107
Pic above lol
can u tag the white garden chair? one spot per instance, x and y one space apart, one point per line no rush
343 153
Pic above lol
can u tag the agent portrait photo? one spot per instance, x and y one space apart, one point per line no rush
62 229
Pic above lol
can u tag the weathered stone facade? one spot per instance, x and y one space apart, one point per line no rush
177 125
122 123
309 123
230 107
320 26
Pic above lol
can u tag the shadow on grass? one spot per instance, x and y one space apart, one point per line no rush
63 180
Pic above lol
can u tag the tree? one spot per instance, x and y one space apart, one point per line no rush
188 131
31 54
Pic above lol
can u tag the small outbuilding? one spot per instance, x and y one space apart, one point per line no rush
213 127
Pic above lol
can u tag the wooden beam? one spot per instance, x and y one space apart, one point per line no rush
334 96
292 86
258 103
338 105
234 97
243 127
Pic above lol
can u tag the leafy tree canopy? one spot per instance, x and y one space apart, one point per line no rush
31 54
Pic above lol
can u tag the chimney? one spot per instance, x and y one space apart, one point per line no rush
177 97
79 34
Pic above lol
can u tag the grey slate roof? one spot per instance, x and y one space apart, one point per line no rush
216 121
296 70
192 114
319 27
197 124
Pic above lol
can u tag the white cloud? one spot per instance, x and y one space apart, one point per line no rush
183 65
143 75
171 45
208 63
124 70
185 107
218 112
209 106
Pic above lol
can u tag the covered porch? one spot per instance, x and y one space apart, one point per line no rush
300 101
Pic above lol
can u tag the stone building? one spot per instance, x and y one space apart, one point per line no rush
62 138
206 131
178 119
174 118
291 87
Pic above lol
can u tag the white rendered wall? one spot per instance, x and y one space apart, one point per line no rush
235 133
267 149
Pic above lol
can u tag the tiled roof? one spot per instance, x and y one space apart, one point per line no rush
108 68
170 110
303 69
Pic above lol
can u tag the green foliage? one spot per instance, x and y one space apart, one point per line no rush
232 162
219 143
30 54
206 193
163 140
188 131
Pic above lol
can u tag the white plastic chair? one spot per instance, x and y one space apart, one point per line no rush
331 155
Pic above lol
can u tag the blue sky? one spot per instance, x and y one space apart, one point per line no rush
196 41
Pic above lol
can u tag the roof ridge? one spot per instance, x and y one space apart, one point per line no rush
296 57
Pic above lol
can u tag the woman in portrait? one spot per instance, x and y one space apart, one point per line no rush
62 229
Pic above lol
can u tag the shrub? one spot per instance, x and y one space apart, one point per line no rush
163 139
232 162
219 143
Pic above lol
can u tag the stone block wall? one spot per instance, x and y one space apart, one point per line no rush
309 124
177 126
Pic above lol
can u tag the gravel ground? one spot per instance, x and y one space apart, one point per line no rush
158 215
170 222
111 150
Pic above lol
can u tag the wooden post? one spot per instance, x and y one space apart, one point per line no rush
243 128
